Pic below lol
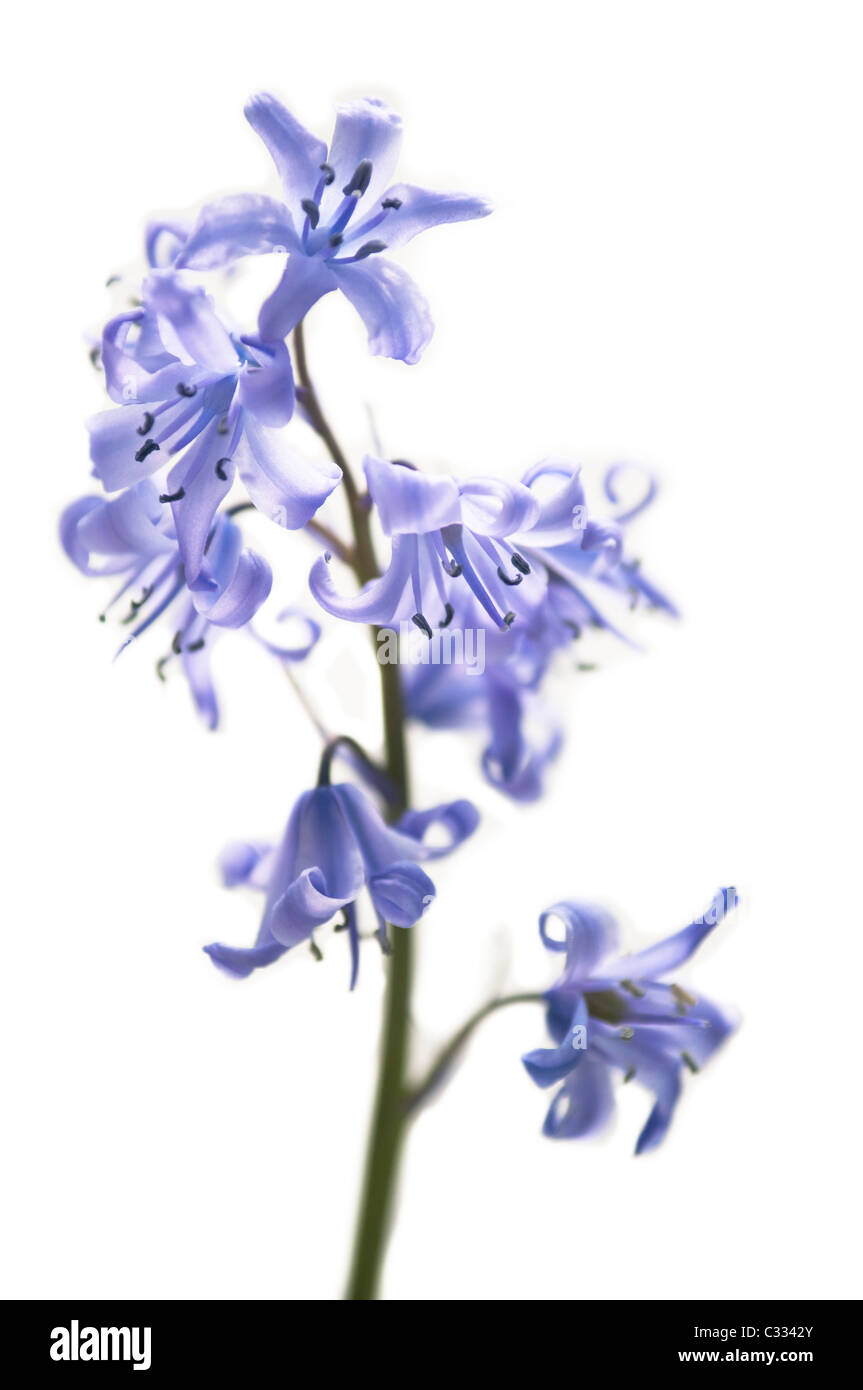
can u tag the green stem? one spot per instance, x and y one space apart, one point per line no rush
448 1054
388 1115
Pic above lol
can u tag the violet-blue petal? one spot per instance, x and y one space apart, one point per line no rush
242 224
246 863
408 501
283 484
267 391
583 1104
492 507
457 819
667 955
240 961
394 311
401 893
305 279
590 934
205 474
381 845
422 208
190 312
377 602
296 153
364 129
546 1065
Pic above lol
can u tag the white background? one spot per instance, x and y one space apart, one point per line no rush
672 275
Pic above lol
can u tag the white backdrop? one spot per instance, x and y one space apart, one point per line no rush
672 275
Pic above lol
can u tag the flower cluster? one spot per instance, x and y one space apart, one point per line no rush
200 436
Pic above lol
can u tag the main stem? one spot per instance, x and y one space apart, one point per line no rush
389 1113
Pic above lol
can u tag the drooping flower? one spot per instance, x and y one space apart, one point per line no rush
131 538
619 1014
449 547
190 392
340 213
336 843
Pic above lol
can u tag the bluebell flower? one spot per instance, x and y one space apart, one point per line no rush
336 844
340 213
575 549
131 538
450 547
188 391
619 1014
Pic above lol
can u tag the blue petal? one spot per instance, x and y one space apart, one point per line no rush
284 485
305 279
189 311
590 934
674 950
409 501
242 580
458 820
396 316
244 224
422 208
378 601
296 153
365 129
164 238
205 473
402 893
562 514
130 526
318 869
492 507
381 845
115 439
268 390
650 489
546 1065
246 863
240 962
583 1104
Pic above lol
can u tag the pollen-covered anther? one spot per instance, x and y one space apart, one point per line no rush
394 203
312 211
508 620
520 563
359 180
627 1034
196 646
632 988
187 391
173 496
685 1000
177 643
423 624
220 469
315 949
148 447
222 426
629 1075
690 1061
447 615
146 424
336 239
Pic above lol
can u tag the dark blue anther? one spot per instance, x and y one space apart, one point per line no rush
187 391
520 563
502 575
359 180
220 469
447 617
328 172
391 203
173 496
370 248
423 624
150 447
146 424
312 211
